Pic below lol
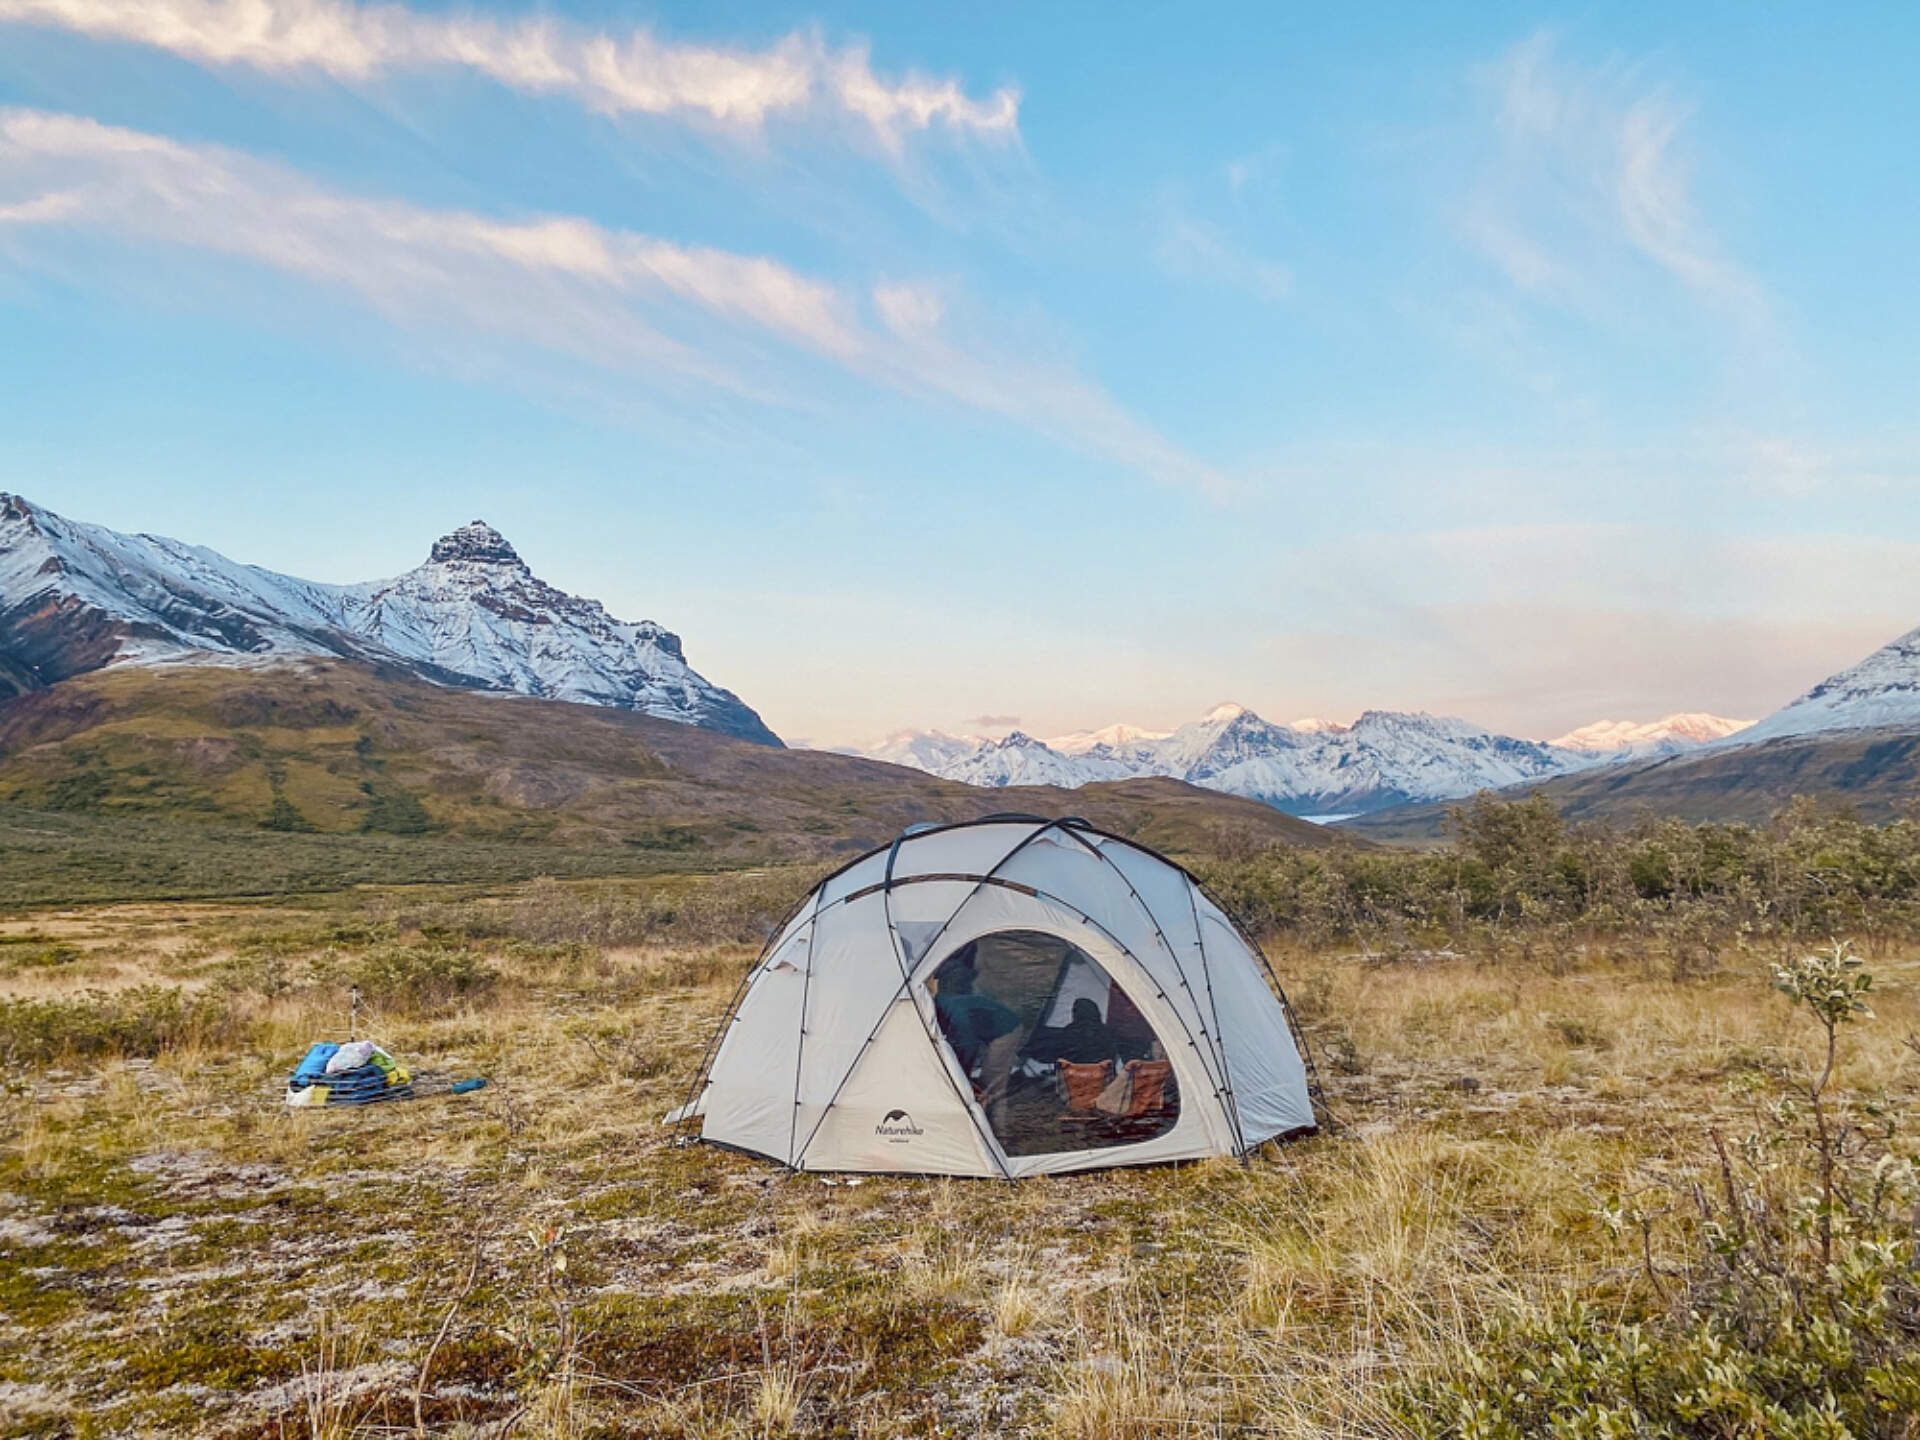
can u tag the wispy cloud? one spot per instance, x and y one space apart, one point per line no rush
931 353
634 72
633 303
1591 171
1198 250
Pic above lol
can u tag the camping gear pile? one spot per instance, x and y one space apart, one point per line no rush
357 1073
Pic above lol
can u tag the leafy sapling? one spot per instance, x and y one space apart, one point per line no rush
1832 985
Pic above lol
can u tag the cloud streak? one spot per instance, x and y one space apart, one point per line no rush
1591 171
798 78
1197 250
629 303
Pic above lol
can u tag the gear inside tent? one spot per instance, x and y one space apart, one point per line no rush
1005 997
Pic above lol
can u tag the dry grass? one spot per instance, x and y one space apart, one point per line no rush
170 1235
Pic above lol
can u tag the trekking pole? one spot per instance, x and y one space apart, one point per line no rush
353 1016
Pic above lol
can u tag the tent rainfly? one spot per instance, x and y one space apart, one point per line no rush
1005 997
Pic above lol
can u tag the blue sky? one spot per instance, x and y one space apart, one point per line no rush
1074 363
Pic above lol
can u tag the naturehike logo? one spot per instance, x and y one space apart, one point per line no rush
898 1127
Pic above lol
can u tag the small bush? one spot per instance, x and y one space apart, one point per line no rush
392 810
1579 1033
142 1022
1796 1312
35 952
282 815
415 976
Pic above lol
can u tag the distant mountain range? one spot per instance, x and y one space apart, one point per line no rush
76 597
1311 767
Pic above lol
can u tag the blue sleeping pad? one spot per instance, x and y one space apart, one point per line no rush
312 1069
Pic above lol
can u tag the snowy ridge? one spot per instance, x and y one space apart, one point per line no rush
75 597
1081 741
1668 735
1882 690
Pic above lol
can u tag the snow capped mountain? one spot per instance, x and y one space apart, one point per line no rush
1883 689
1081 741
929 750
1668 735
1384 758
75 597
1022 760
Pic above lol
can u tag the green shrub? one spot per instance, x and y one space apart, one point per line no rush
1796 1312
417 976
392 810
284 816
1580 1372
1514 868
35 952
141 1022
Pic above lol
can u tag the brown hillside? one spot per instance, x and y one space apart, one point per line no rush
338 747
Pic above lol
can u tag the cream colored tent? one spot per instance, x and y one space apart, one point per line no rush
1011 996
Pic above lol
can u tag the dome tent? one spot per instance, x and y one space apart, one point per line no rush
1003 997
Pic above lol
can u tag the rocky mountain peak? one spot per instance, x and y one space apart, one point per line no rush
476 543
76 596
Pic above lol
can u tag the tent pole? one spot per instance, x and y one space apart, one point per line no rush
906 984
1221 1078
800 1049
1316 1092
1233 1105
711 1052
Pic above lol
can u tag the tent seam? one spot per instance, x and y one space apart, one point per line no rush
906 985
1221 1080
800 1048
1200 942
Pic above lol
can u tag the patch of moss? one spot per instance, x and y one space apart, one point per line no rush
38 1286
202 1352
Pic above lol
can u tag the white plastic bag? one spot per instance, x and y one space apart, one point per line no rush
350 1057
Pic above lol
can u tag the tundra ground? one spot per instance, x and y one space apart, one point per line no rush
181 1254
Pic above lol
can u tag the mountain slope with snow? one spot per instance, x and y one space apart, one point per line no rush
1021 760
1882 690
76 597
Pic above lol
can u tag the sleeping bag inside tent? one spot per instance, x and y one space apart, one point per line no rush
1005 997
